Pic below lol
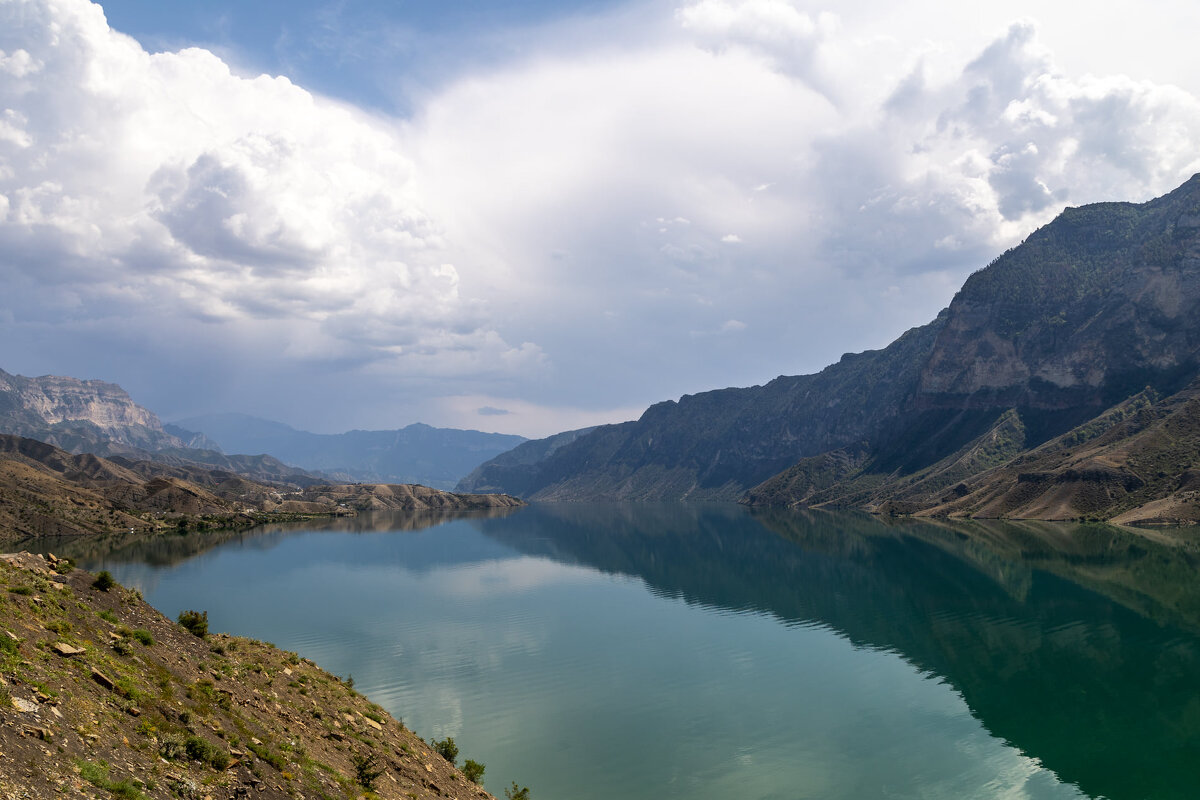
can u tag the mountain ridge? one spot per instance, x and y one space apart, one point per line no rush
1091 309
416 453
79 414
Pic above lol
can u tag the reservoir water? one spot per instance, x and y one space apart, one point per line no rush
709 652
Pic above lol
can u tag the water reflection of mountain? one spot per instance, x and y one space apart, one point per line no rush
168 547
1075 644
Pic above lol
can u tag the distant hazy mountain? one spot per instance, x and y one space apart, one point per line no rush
989 409
436 457
193 439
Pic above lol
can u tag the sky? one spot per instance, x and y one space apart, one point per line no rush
533 216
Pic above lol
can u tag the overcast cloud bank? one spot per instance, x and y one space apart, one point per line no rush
740 190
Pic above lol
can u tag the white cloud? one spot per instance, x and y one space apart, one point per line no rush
912 171
545 236
220 197
776 29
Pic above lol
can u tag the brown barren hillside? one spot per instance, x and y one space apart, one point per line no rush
101 696
46 491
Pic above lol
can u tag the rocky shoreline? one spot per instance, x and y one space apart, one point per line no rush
102 696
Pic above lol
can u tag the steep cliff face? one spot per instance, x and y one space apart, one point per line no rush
1089 310
715 445
79 415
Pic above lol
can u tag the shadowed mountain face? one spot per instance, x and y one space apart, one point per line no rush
437 457
717 444
1088 311
1077 644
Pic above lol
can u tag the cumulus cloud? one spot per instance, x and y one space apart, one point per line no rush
844 165
562 234
775 29
145 181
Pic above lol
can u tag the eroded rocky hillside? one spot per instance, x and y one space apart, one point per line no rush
101 696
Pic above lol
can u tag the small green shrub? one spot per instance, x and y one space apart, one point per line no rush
195 621
64 566
108 616
104 581
267 755
473 771
23 590
171 748
447 749
127 687
97 775
516 793
366 770
144 636
205 752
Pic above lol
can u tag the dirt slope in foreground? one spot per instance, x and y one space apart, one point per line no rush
101 696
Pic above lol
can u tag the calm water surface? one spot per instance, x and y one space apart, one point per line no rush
710 652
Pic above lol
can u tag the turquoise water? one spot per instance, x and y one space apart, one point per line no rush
709 652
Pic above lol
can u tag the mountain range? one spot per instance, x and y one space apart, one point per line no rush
91 416
418 453
1060 382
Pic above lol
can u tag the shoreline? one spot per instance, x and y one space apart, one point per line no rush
98 690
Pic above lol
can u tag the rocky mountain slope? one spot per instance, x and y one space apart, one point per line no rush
79 415
418 453
511 467
714 445
1134 464
101 696
46 491
83 416
1090 310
